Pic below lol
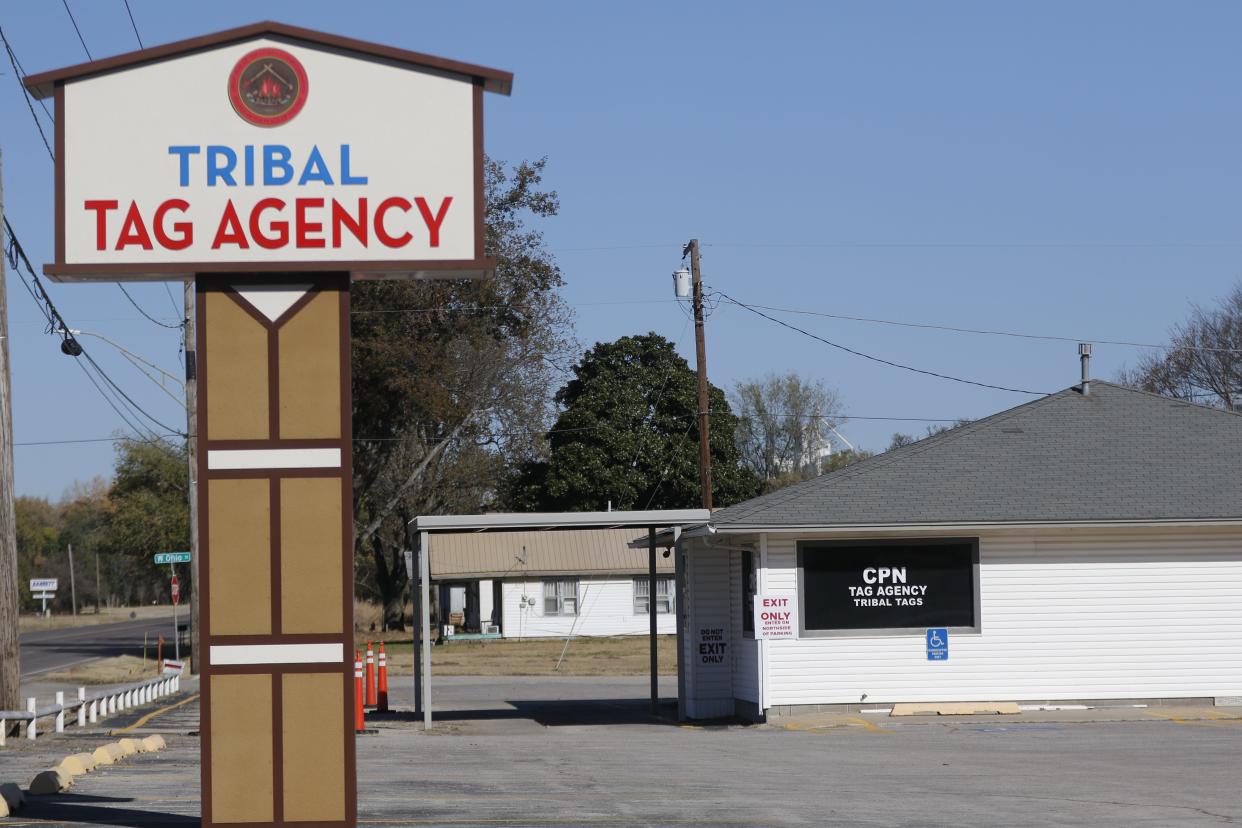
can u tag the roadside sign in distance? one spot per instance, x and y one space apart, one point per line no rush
172 557
43 584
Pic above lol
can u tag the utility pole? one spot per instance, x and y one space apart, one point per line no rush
73 584
10 644
98 591
700 352
191 421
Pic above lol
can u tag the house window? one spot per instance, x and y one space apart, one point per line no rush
664 595
888 586
560 596
750 583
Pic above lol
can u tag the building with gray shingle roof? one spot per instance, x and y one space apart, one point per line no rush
1080 547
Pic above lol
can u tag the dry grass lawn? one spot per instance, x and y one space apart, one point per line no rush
616 656
116 670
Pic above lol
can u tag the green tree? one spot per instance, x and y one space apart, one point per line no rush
449 382
84 517
841 459
628 434
148 512
38 540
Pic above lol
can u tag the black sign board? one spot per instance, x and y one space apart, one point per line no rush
888 585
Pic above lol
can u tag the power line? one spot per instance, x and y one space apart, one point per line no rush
880 360
137 36
80 441
76 29
987 332
981 245
19 73
69 343
149 317
484 308
39 126
177 309
837 418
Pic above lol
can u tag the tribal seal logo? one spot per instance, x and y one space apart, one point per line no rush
268 87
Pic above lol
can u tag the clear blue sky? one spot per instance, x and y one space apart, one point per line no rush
1059 168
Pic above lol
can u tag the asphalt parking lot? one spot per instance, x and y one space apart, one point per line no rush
587 752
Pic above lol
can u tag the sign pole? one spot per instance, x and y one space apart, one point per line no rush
176 630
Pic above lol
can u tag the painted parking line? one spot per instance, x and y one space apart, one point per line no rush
153 714
1197 718
843 723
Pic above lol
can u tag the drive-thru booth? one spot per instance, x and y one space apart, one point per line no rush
1085 546
272 166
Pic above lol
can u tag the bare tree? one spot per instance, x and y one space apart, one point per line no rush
900 439
784 426
1203 361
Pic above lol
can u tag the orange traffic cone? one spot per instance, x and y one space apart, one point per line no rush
359 717
382 695
370 676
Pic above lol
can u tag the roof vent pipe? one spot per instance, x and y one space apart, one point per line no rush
1084 356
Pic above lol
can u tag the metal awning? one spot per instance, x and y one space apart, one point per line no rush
531 524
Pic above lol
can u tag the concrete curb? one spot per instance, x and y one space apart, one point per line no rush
11 798
49 782
54 780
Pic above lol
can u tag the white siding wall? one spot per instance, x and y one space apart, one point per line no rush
485 602
1125 615
607 609
709 685
745 650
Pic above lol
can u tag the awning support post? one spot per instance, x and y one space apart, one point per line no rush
651 614
424 575
679 616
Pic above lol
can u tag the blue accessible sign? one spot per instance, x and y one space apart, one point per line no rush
937 644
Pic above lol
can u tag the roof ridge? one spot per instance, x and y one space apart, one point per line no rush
897 455
1144 392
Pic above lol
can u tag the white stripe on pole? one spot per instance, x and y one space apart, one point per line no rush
332 653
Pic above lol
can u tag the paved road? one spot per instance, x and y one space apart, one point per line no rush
1163 767
46 650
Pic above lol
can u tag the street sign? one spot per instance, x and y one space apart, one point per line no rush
937 644
176 590
172 557
43 585
44 596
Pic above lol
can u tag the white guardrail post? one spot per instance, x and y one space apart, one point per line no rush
31 728
60 713
81 707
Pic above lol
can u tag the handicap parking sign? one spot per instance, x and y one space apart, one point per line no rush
937 644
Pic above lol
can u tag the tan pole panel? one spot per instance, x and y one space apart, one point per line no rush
276 550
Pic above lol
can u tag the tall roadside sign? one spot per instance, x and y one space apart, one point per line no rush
273 166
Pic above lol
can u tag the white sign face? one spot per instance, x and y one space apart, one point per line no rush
262 153
776 616
43 584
